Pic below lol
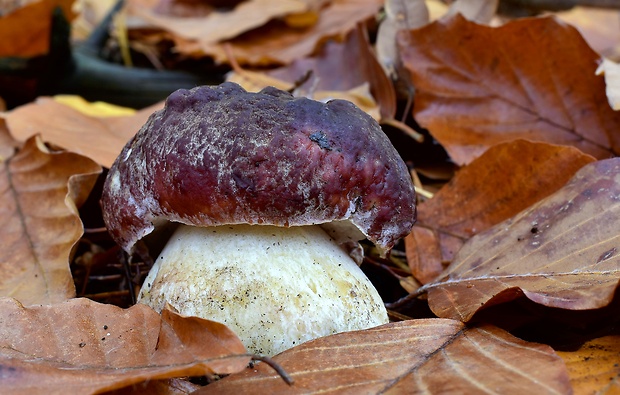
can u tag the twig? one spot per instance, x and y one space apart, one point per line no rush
275 366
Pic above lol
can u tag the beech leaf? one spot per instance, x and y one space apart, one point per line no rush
87 347
217 25
562 252
406 357
594 368
477 86
276 44
40 193
505 180
99 138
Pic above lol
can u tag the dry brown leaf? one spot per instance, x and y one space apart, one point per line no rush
41 191
505 180
478 86
99 138
276 43
347 70
562 252
595 367
26 31
86 347
406 357
217 25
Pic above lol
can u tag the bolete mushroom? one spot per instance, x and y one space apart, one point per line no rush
259 191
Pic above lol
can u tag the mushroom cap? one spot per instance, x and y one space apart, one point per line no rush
219 155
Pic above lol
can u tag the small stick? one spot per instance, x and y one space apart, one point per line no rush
275 366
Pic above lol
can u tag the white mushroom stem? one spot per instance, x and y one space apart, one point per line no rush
274 287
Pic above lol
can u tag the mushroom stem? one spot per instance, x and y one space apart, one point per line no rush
275 287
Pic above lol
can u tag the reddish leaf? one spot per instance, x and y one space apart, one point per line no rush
505 180
41 191
532 79
342 67
84 347
406 357
562 252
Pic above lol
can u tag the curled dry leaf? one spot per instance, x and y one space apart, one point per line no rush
505 180
99 138
562 252
478 86
594 368
274 44
405 357
217 26
338 71
40 193
89 347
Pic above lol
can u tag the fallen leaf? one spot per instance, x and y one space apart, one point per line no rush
344 67
217 25
278 44
562 252
86 347
346 70
478 86
611 71
41 191
405 357
595 367
503 181
99 138
26 31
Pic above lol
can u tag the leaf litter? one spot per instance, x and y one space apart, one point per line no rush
563 251
473 348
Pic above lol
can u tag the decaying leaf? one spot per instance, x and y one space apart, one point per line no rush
341 70
99 138
217 25
595 367
426 355
41 191
478 86
26 31
278 44
87 347
562 252
503 181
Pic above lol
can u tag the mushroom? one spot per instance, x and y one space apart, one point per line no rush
257 193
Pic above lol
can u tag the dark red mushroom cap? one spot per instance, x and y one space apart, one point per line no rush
220 156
